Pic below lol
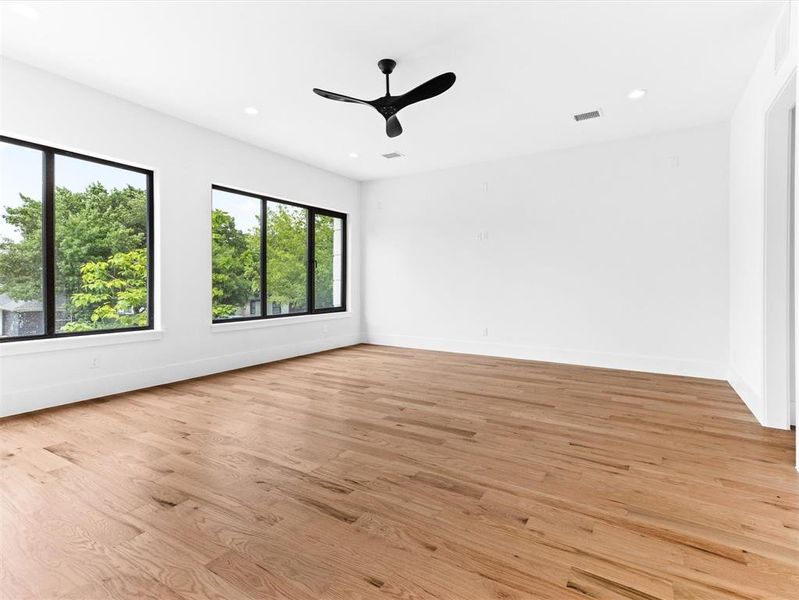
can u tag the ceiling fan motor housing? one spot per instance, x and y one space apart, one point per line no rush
386 65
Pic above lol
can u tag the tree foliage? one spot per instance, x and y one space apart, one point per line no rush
236 260
287 256
115 291
236 256
94 225
101 258
21 261
323 277
99 233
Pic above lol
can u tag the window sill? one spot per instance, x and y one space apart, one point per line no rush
78 342
277 322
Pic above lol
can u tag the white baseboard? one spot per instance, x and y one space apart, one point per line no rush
628 362
96 387
752 398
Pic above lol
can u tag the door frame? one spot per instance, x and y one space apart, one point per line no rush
778 305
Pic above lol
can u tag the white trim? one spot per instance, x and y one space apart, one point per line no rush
55 344
278 322
244 190
58 146
61 344
775 403
608 360
96 387
751 397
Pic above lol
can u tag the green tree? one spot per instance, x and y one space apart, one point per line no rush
115 291
90 226
93 225
101 258
236 260
21 261
235 269
287 256
323 278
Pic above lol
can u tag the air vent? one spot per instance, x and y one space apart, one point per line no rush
594 114
392 155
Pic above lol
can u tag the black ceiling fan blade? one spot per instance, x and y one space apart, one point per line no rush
393 127
339 97
429 89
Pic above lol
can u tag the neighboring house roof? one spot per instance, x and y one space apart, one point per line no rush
7 303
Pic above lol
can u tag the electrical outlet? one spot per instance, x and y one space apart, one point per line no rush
93 364
485 331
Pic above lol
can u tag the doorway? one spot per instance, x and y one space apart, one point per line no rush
793 299
779 264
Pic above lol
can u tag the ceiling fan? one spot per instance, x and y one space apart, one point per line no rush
389 105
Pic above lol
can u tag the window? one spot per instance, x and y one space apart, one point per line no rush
328 253
21 256
286 259
262 249
236 229
75 244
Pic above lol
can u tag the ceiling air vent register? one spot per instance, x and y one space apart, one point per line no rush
392 155
593 114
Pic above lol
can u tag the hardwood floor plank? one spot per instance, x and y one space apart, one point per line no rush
376 472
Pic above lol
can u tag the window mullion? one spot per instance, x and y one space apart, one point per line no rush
150 251
264 259
344 241
311 263
48 242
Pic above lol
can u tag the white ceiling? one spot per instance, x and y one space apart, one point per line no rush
523 69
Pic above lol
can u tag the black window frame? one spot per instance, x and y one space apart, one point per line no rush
310 266
48 241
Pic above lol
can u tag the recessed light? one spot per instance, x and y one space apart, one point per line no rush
353 155
23 10
636 94
251 110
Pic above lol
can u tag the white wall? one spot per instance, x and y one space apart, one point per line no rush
747 202
795 51
187 160
612 255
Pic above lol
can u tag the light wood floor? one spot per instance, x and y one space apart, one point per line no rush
373 472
